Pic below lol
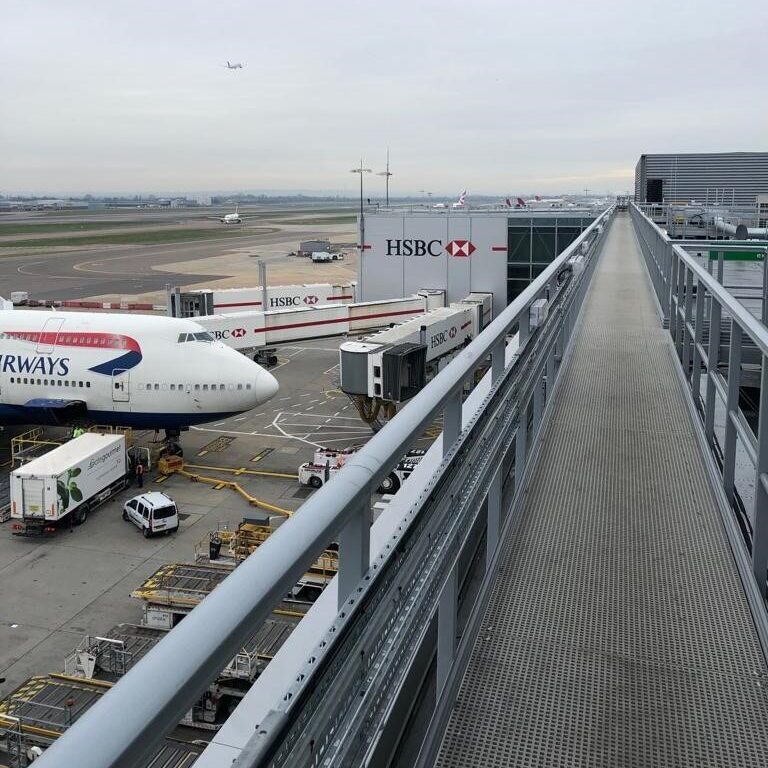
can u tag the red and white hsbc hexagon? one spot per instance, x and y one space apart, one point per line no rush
460 248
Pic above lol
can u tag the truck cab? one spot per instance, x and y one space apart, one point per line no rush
152 513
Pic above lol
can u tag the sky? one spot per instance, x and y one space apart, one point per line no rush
492 97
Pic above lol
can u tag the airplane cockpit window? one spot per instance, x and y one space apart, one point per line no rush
205 336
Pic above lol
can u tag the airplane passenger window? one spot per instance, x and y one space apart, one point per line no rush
197 387
157 387
239 386
181 386
205 387
221 386
60 383
173 387
25 379
247 386
87 384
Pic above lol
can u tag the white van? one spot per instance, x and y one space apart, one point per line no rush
152 512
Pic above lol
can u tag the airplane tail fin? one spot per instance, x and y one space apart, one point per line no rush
538 197
462 197
520 202
508 203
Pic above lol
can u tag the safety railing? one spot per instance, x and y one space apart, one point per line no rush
154 695
718 343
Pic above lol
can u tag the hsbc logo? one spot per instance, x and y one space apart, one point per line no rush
310 300
460 248
452 332
235 333
285 301
415 247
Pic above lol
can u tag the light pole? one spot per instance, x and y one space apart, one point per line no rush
385 173
361 171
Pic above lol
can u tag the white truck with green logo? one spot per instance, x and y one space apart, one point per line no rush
67 482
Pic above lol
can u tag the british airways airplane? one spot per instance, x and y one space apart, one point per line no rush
130 370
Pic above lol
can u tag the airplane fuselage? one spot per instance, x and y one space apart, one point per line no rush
130 370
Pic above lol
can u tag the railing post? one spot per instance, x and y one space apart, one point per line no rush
354 552
698 335
673 281
713 360
687 335
498 359
521 446
493 527
731 409
760 513
523 327
446 628
451 420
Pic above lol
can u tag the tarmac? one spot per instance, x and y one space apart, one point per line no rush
141 272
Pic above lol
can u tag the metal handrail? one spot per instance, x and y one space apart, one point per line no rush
694 302
154 695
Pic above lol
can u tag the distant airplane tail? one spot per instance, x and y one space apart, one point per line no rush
520 202
537 197
508 203
462 197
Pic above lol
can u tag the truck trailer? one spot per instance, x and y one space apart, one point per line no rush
67 483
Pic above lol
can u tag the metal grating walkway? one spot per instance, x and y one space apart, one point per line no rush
617 633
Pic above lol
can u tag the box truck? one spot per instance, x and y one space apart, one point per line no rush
67 482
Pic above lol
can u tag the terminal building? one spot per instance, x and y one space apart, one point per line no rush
726 178
464 251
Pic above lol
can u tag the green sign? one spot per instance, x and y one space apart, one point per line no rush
738 255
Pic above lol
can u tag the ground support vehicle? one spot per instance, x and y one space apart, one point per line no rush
36 713
67 483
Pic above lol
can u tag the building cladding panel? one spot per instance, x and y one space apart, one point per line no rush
462 253
734 178
404 253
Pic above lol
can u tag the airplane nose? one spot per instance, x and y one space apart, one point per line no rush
266 386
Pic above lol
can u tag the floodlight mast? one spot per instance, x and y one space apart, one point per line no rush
386 174
361 170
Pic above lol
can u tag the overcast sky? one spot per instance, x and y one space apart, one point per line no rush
498 97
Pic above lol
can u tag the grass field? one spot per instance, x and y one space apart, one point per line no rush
158 237
65 226
322 220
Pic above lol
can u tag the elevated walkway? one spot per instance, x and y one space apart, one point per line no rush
617 632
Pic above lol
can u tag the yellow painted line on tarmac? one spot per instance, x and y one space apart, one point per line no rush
219 487
161 478
243 471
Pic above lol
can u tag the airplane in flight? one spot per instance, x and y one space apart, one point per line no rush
232 218
140 371
460 203
235 65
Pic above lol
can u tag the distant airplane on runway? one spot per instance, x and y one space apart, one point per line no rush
236 65
460 203
232 218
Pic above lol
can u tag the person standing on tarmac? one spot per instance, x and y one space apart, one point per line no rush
140 475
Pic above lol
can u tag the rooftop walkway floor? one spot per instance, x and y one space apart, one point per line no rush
617 632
